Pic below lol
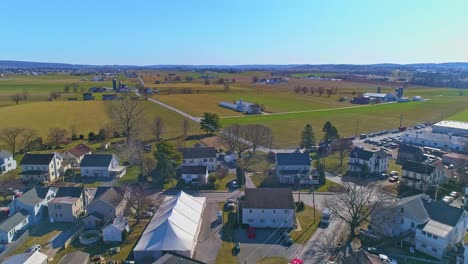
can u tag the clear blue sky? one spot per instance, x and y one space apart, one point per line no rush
234 31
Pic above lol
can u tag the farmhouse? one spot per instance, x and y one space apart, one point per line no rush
205 156
174 228
241 106
34 202
75 154
113 231
291 166
421 175
108 203
7 163
11 227
433 227
194 174
101 165
41 167
28 258
68 205
260 210
368 162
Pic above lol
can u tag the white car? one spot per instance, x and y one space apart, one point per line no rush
385 259
34 248
447 199
455 194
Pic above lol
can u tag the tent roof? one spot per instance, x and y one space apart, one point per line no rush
175 225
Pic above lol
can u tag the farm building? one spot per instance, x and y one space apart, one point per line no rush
388 97
241 106
451 127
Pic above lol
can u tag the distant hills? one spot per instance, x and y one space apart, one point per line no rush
293 67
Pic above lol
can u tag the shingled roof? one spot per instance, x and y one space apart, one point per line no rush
12 221
34 195
110 195
268 198
292 159
192 170
363 154
96 160
37 159
79 150
5 154
198 153
74 192
418 167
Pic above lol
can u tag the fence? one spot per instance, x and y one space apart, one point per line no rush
13 245
78 231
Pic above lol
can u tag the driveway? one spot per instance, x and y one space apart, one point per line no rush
209 239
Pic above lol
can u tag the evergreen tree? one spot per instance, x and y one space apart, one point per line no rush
330 132
240 176
307 138
165 170
163 147
210 123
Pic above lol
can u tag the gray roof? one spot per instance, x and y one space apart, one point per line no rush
293 159
74 192
418 167
193 169
37 159
12 221
198 153
96 160
5 154
34 195
268 198
110 195
76 257
364 154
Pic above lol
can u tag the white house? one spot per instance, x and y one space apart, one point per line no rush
113 232
367 161
101 165
291 166
421 175
75 154
7 163
34 202
108 203
12 226
194 174
35 257
41 167
436 140
433 227
268 207
205 156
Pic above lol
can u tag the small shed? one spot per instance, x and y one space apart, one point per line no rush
113 232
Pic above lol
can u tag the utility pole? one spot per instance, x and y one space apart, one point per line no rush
401 119
437 189
357 126
299 196
313 200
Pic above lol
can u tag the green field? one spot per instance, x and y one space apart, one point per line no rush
460 116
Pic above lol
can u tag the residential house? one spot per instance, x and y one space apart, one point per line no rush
260 210
68 205
194 174
292 166
205 156
75 154
11 227
108 203
101 165
41 167
7 162
75 257
433 227
34 202
368 162
35 257
422 175
409 152
455 159
114 231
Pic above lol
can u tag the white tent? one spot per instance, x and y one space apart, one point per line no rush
174 227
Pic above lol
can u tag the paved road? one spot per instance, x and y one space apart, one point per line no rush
209 239
248 181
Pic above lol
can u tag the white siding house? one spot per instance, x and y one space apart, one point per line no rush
369 162
34 202
291 166
11 227
194 174
75 154
199 156
101 165
260 210
7 163
421 175
113 232
41 167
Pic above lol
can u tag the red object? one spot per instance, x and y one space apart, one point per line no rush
251 232
297 261
403 128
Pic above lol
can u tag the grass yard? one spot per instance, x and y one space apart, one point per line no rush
308 224
460 116
330 186
273 260
103 249
225 255
221 185
332 163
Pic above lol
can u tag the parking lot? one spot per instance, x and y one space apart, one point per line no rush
209 239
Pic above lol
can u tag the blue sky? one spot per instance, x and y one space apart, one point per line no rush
234 32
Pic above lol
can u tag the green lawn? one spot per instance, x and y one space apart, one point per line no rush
221 185
330 186
333 165
308 224
225 252
103 249
461 116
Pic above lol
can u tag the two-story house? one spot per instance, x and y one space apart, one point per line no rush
194 174
41 167
204 156
101 165
74 155
7 162
68 205
368 162
292 167
12 227
34 202
422 175
108 203
260 210
409 152
433 227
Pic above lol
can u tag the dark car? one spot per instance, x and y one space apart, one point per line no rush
375 250
362 136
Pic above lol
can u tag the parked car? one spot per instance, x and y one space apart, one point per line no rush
447 199
230 204
386 260
34 248
114 250
362 136
237 246
220 217
251 232
393 179
147 214
375 250
455 194
287 238
97 258
234 185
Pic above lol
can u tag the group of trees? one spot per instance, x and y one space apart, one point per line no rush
72 87
239 138
23 96
312 90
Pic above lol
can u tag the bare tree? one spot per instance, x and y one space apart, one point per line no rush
54 95
185 127
342 146
127 115
320 91
57 136
358 205
206 81
133 152
226 86
147 165
17 97
158 128
134 197
75 87
233 138
27 137
254 79
305 89
25 95
9 138
258 135
297 89
66 88
312 90
329 91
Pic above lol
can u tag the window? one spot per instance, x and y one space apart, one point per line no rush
286 211
434 250
211 160
205 160
412 224
274 211
434 237
262 220
402 221
402 210
274 221
58 206
424 233
263 211
423 245
250 210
